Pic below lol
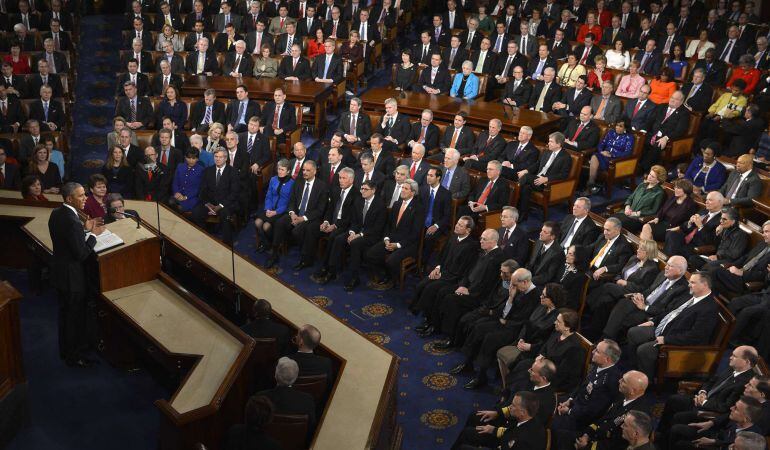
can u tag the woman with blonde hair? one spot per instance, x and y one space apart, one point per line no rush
644 201
266 66
168 34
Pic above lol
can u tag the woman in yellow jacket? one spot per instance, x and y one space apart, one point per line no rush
728 106
570 71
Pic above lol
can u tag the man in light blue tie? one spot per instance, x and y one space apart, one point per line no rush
691 322
455 178
327 68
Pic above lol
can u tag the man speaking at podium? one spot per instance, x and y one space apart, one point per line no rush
71 249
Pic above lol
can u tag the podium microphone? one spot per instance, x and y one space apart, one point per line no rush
111 211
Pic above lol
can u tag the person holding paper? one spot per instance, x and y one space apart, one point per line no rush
72 247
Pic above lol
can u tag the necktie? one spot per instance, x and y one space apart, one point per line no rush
258 46
396 195
452 57
250 144
334 28
654 295
207 115
577 132
600 254
294 64
421 138
524 45
669 111
331 175
297 165
366 210
2 176
485 194
499 43
644 61
504 242
570 233
305 198
237 63
51 63
455 135
518 151
326 66
289 41
636 109
353 124
4 107
480 62
507 65
424 52
401 212
539 67
25 20
413 170
719 386
600 109
276 117
470 40
201 63
437 33
753 261
366 176
585 56
280 24
219 175
241 112
726 52
671 316
429 215
667 47
447 180
541 98
164 158
363 32
131 113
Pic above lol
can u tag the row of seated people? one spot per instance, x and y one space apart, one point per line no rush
275 17
43 171
30 36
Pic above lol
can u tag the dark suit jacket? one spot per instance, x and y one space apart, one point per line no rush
482 277
457 257
363 125
374 222
678 39
220 42
715 72
142 85
317 201
246 66
560 50
559 169
640 121
144 111
642 278
460 56
252 110
146 36
464 142
574 104
585 235
156 85
668 299
701 100
302 70
674 127
749 189
442 207
527 159
347 206
145 59
70 250
174 158
640 38
267 38
287 121
14 114
267 328
198 113
260 151
385 163
288 400
487 150
158 188
430 140
534 61
653 64
312 364
553 94
210 65
759 271
593 52
459 184
399 131
546 267
444 35
744 135
442 80
378 178
342 28
489 61
517 247
304 30
20 84
607 37
521 94
498 196
606 431
528 435
475 43
417 52
335 68
739 48
58 59
724 390
502 59
693 326
12 180
588 137
55 113
420 171
407 231
616 256
35 81
224 193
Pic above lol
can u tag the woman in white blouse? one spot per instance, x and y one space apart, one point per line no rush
699 46
618 58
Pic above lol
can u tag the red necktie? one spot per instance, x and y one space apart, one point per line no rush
577 133
164 158
485 194
331 175
636 109
413 170
296 170
276 116
422 135
280 27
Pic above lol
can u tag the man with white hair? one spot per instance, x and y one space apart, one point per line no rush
175 61
699 230
455 177
57 62
201 61
239 62
520 156
287 399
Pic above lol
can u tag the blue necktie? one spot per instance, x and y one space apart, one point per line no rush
45 110
429 216
305 198
447 179
326 66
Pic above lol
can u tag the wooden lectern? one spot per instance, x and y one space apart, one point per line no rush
13 383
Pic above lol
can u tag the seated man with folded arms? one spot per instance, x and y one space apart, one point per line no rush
554 165
747 268
520 156
491 193
699 230
487 148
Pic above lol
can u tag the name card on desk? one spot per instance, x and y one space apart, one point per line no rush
106 241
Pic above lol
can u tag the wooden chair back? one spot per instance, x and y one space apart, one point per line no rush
314 385
290 430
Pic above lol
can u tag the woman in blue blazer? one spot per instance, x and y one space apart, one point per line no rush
172 107
465 84
187 181
705 171
276 203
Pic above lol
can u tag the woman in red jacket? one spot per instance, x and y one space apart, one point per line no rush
746 72
589 27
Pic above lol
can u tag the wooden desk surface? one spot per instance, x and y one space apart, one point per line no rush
263 88
181 328
445 107
363 381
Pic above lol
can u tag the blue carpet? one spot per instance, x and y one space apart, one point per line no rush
108 408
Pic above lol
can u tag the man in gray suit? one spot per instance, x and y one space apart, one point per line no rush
227 16
455 177
743 184
527 43
607 105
